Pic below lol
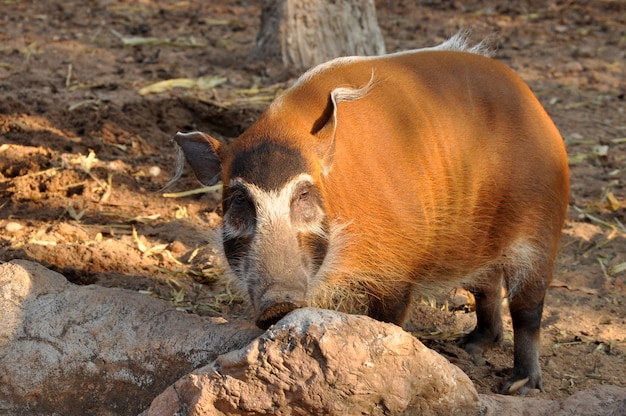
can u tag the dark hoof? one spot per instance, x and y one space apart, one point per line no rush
476 343
522 386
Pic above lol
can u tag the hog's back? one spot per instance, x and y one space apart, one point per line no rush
447 162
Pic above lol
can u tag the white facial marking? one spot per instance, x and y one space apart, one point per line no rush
274 207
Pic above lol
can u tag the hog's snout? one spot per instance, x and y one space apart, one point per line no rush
275 313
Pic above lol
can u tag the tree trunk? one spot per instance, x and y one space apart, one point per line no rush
296 35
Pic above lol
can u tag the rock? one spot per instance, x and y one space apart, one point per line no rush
598 401
154 171
13 226
500 405
573 67
83 350
584 51
318 362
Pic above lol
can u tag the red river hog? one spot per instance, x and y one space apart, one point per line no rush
410 172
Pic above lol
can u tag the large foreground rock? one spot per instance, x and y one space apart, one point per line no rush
316 362
81 350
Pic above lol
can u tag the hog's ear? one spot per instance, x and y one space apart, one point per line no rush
325 128
202 152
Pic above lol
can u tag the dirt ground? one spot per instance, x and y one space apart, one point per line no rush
85 147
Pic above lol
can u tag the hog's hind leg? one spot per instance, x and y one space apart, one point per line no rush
527 281
488 294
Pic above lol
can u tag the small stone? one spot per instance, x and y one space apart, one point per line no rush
13 226
176 247
154 171
572 67
584 51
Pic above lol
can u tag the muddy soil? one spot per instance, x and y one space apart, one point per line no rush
85 147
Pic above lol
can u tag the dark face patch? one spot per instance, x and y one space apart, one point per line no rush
269 165
314 249
236 249
242 219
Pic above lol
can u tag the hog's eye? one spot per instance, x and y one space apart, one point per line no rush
305 204
238 200
304 196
